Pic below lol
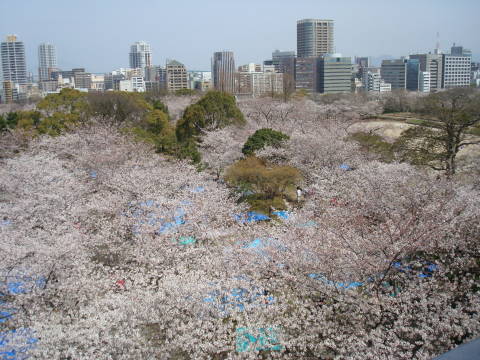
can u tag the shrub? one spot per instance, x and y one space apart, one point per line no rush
267 182
262 138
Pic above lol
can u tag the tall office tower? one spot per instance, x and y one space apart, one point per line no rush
140 55
413 74
14 68
47 61
314 37
176 76
395 72
223 71
334 74
432 63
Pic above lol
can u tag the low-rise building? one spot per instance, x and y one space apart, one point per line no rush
456 69
424 82
335 74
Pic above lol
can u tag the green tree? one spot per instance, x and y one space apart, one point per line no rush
191 123
455 111
68 101
57 123
262 138
9 120
220 110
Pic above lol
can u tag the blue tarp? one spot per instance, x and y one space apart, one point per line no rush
282 214
426 270
198 189
185 240
15 344
468 351
5 222
93 174
145 213
178 219
251 216
310 223
350 285
238 299
257 339
345 167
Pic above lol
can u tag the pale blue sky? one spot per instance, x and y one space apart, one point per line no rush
96 34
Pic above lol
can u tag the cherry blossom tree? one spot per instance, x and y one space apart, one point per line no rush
113 251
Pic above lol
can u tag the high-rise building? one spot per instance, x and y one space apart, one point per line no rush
223 71
176 76
314 37
334 74
140 55
14 67
433 64
394 72
47 61
413 70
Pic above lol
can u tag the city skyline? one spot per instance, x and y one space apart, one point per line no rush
270 27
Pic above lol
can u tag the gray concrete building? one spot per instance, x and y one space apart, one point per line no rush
314 37
176 76
334 74
306 70
433 64
223 71
14 66
83 80
394 72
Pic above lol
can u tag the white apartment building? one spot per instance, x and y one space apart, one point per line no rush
424 81
384 87
456 71
135 84
372 80
98 82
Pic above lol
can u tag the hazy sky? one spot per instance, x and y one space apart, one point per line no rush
96 34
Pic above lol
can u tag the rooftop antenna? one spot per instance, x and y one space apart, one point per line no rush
437 49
